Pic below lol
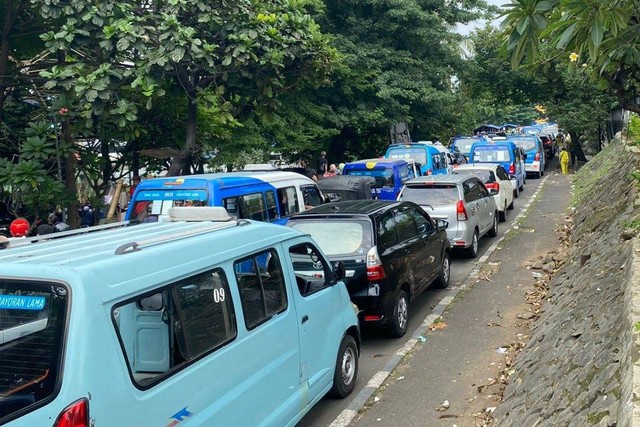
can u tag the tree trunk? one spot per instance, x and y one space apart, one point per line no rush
576 148
182 161
70 177
106 159
7 26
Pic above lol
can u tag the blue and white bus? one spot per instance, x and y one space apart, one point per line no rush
262 196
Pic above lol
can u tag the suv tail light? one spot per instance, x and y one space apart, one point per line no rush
512 168
74 415
493 186
461 211
537 157
375 271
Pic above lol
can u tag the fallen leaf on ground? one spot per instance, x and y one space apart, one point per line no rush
439 325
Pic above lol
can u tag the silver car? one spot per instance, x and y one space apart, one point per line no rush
463 201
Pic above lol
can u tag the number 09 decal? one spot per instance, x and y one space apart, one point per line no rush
218 295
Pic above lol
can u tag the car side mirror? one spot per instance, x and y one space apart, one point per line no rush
339 271
513 177
442 224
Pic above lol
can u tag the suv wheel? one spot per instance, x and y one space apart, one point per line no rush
400 316
472 251
494 230
445 272
344 378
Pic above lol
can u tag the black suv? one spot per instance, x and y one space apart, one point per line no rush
392 251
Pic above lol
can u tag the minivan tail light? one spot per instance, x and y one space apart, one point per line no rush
537 157
461 211
74 415
429 172
512 168
375 271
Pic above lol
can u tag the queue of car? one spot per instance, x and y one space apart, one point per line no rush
185 296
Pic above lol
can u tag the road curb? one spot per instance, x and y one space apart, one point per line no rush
360 400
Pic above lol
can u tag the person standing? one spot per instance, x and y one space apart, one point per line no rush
322 164
564 160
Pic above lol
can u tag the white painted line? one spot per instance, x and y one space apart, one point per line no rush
378 379
348 415
344 419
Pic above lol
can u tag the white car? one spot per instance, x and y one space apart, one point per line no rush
497 181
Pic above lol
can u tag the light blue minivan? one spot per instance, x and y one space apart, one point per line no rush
535 162
505 153
201 319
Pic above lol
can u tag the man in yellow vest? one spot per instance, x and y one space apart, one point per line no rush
564 161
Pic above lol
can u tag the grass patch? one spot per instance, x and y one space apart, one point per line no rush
593 173
595 417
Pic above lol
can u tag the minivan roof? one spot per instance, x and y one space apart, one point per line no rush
227 179
163 246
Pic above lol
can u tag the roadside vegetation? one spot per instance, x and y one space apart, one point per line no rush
80 102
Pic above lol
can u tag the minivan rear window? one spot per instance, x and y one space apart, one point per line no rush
338 236
525 143
430 194
491 154
32 328
383 177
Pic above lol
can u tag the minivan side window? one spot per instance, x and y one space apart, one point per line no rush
262 287
387 235
502 174
311 196
425 225
32 330
471 191
312 272
165 331
271 205
404 224
288 199
249 206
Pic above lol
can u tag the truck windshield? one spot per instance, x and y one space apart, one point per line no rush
32 327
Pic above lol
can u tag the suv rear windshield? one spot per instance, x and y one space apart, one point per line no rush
430 194
338 236
32 326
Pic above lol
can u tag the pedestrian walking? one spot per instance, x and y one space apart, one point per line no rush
322 164
564 161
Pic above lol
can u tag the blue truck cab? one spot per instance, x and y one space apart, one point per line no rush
262 196
390 175
432 160
505 153
193 319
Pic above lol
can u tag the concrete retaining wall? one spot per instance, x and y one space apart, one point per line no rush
578 367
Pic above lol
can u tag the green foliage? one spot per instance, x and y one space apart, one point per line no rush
602 34
31 180
634 128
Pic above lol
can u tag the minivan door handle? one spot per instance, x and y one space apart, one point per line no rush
305 319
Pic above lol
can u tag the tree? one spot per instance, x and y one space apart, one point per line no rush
599 33
232 55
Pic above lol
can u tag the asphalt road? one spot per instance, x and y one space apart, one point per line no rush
378 348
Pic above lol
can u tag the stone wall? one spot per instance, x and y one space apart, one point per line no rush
577 368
